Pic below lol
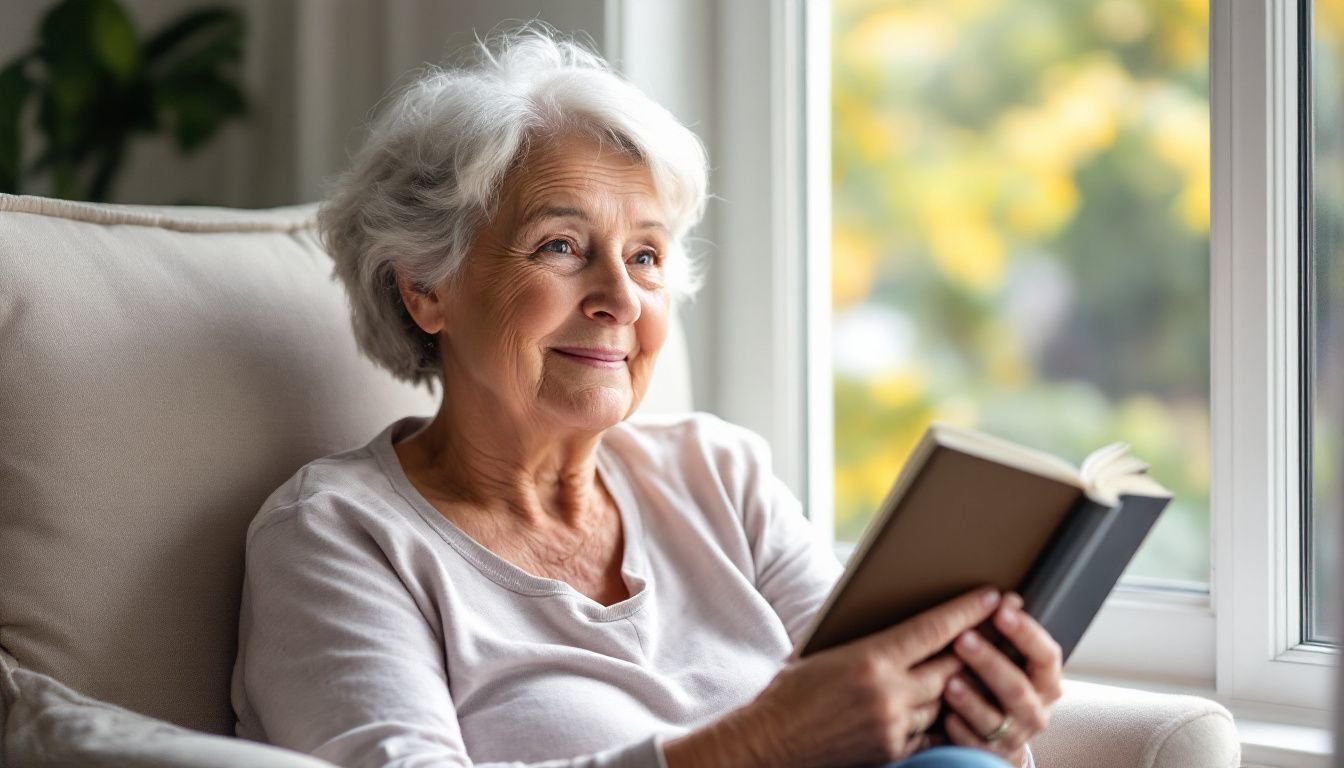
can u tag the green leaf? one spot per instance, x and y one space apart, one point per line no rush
198 108
87 40
185 64
206 59
114 40
63 41
14 89
211 23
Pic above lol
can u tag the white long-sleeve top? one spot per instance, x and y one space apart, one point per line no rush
374 632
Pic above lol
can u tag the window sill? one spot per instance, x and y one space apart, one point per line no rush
1279 745
1271 737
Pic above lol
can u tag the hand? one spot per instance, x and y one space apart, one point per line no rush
1021 699
866 702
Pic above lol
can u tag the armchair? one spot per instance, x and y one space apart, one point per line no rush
161 371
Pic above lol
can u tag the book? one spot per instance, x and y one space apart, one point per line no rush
969 510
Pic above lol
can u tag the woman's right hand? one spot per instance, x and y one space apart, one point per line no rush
863 703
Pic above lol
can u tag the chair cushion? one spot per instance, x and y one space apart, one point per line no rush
51 726
162 371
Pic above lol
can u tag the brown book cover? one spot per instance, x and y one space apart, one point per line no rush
970 510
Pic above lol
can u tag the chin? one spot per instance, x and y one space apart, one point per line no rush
596 409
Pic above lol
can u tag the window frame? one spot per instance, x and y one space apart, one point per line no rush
1257 369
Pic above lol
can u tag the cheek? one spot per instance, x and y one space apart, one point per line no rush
652 329
523 306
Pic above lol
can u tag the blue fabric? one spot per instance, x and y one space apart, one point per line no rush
952 757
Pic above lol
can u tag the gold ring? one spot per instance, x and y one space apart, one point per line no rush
1002 729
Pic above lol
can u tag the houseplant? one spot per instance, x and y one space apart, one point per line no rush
95 85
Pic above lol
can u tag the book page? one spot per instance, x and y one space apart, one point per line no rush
1111 472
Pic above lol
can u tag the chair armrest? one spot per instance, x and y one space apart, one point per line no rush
1103 726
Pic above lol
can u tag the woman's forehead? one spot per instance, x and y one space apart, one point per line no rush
581 178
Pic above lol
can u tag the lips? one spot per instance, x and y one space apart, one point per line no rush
607 358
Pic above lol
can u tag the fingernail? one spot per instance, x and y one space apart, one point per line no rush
956 687
990 598
1010 618
969 641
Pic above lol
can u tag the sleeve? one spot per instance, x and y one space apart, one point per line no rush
338 661
795 567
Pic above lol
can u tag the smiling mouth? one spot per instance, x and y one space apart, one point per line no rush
595 358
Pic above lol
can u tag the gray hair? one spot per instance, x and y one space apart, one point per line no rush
430 172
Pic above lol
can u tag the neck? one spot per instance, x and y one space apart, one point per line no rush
474 454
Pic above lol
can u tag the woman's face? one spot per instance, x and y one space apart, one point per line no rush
560 308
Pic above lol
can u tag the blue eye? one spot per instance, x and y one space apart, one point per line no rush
646 259
557 246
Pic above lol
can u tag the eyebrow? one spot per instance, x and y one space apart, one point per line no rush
561 212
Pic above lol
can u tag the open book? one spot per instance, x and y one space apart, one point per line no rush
969 510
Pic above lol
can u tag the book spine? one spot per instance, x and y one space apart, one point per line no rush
1071 582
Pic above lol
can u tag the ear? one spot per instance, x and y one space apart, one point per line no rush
426 307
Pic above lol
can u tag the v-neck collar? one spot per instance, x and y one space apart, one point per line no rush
633 563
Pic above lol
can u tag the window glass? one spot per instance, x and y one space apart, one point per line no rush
1020 240
1325 319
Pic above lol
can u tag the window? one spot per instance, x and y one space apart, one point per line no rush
1023 200
1020 241
1323 313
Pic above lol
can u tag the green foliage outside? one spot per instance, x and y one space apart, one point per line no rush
95 85
1326 319
1021 239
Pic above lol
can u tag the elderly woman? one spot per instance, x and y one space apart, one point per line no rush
536 575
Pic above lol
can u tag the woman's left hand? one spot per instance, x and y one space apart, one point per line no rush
1020 708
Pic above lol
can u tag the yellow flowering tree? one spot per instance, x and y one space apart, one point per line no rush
1021 219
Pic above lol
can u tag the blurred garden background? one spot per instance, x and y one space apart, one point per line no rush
1325 320
1021 198
1021 211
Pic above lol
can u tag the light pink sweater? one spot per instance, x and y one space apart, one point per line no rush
374 632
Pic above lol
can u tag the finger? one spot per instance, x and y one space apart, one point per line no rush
929 632
1038 648
1007 683
963 735
923 716
915 745
973 709
929 678
920 719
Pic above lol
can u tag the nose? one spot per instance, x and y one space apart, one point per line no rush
611 295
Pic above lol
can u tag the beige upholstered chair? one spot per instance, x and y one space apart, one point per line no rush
161 371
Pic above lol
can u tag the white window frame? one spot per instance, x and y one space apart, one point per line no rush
1256 488
1239 644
